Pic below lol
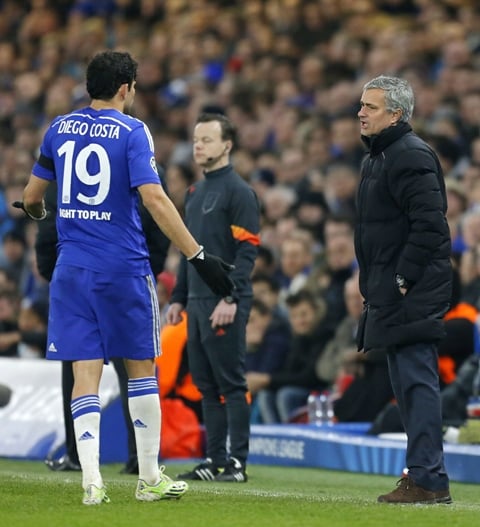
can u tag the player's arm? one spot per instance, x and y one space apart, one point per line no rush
33 202
157 243
47 238
166 216
212 269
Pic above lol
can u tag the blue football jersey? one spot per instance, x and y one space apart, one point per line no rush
99 158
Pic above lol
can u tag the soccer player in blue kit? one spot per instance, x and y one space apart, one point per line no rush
102 294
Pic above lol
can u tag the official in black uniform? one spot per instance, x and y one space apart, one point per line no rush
46 253
222 212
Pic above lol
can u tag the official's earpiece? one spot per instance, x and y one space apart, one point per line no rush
210 159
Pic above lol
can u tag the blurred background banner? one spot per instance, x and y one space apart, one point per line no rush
31 423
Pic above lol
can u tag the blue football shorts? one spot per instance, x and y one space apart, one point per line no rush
99 316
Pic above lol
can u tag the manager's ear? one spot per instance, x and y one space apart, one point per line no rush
396 115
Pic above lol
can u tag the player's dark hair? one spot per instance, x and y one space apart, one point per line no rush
228 129
107 71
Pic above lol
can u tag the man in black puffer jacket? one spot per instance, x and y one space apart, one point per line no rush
403 248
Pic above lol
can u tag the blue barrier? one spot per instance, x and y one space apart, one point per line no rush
348 448
32 427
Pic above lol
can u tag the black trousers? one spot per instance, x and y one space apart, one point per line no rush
217 364
414 375
67 388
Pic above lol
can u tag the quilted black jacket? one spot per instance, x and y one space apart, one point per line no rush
401 228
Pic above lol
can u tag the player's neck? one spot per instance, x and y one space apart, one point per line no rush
112 104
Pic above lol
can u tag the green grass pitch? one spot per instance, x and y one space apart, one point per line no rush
31 495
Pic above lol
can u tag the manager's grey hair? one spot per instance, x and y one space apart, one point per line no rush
398 94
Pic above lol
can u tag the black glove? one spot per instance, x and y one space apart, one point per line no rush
20 205
213 271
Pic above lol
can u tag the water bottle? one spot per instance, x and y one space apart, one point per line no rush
313 407
473 406
320 408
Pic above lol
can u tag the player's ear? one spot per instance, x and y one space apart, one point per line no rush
123 91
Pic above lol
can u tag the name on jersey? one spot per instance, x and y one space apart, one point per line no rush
107 130
79 214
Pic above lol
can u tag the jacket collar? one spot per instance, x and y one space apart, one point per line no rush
218 172
378 143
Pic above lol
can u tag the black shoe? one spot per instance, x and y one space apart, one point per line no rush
234 472
62 464
205 471
131 467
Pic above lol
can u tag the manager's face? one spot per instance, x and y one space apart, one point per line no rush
373 114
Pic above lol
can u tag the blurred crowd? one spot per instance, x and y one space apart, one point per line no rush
289 74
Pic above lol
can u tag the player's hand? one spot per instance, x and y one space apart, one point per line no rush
213 271
20 205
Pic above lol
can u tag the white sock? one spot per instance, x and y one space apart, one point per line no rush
144 406
86 423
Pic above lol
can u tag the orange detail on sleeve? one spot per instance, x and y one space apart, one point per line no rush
462 310
242 235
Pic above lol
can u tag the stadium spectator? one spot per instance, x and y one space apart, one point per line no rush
267 289
295 261
362 386
32 328
265 263
334 265
457 206
9 333
343 341
281 392
178 178
15 257
268 342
